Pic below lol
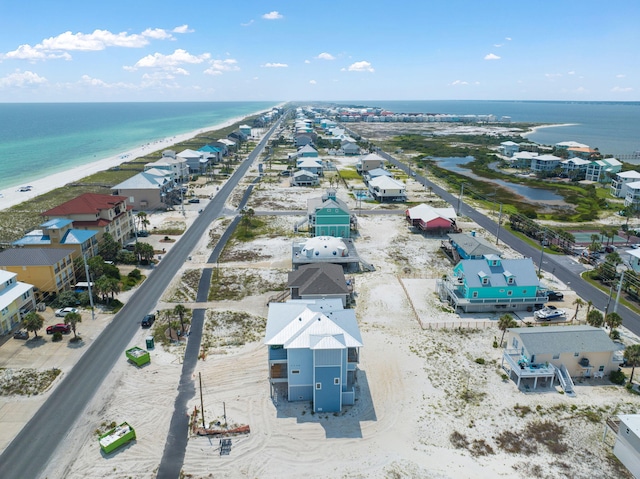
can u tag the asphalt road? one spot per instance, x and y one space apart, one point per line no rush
563 267
32 449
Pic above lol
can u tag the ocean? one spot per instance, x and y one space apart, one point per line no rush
39 139
612 127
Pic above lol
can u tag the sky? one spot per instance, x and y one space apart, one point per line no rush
255 50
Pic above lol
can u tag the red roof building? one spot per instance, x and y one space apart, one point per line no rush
102 213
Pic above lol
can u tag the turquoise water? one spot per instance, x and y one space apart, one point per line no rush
613 127
39 139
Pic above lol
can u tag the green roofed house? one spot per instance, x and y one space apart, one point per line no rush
492 284
329 216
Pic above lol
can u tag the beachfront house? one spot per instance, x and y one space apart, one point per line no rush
16 299
627 445
49 270
102 213
302 139
312 165
508 148
215 153
313 352
320 281
565 145
375 173
544 163
349 148
307 151
632 198
575 168
492 284
603 170
384 189
470 246
149 190
431 220
197 161
522 159
633 256
176 168
326 249
245 129
558 352
328 215
370 162
59 233
620 180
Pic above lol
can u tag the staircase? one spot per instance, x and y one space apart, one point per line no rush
279 298
565 380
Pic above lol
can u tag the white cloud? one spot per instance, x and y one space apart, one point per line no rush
459 82
169 62
621 76
275 65
313 82
362 66
491 56
21 79
571 73
326 56
307 61
272 16
497 45
619 89
183 29
57 47
250 22
553 75
507 39
217 67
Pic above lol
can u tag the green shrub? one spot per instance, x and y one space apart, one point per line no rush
617 377
57 336
135 274
480 360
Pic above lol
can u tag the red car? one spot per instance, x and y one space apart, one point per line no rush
60 327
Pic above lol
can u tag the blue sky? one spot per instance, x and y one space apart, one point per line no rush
139 50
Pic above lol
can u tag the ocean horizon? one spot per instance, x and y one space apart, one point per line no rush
40 139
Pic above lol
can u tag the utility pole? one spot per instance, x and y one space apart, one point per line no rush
460 198
499 221
615 306
86 270
606 310
544 240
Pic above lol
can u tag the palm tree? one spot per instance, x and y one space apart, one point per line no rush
73 319
180 310
604 233
589 306
632 355
595 319
143 222
579 303
505 322
33 322
613 320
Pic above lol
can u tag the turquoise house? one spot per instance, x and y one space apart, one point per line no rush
493 284
329 216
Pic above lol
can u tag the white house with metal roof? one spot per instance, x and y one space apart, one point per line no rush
313 352
620 180
148 190
627 445
14 297
602 170
383 188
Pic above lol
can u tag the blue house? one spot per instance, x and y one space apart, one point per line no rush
493 284
313 354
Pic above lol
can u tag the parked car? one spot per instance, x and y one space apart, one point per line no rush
148 320
60 327
61 313
21 334
549 313
555 295
194 200
143 234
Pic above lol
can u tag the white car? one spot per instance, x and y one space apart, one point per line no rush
61 313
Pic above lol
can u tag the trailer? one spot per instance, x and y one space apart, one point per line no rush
116 437
138 356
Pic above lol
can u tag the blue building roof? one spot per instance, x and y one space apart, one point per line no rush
210 149
78 236
522 270
56 223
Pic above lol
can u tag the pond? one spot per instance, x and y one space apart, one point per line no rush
533 194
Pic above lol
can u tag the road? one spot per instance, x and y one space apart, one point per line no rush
562 267
31 450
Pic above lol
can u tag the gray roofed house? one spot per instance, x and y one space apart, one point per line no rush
148 190
561 352
304 178
49 270
469 246
322 280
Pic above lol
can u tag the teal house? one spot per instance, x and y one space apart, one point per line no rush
329 216
493 284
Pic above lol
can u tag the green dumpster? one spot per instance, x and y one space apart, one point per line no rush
138 356
116 437
150 343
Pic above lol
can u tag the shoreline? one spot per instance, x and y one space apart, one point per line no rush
11 196
535 129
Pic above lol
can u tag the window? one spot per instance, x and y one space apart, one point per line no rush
509 293
601 369
336 380
575 355
510 281
475 294
485 280
318 386
556 356
295 371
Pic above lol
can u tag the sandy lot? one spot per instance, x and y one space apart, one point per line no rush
426 407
